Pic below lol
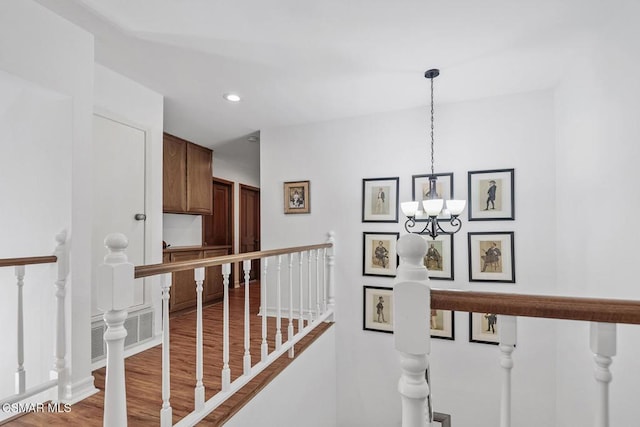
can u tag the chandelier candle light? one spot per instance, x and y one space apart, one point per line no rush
432 206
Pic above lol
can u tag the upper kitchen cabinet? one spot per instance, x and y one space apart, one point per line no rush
186 177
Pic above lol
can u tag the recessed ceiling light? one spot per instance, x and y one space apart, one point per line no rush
231 97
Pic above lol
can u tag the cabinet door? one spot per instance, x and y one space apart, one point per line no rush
199 180
174 172
183 289
213 286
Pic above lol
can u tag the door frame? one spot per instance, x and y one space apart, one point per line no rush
232 211
242 224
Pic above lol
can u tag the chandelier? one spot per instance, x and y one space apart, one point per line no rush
437 211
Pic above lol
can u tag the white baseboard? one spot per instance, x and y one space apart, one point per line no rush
80 390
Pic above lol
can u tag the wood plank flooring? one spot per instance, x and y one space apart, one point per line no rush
143 371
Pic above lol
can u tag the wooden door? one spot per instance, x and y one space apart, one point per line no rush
217 229
250 224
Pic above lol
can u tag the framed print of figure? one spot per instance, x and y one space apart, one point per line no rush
483 328
378 309
297 199
379 254
420 189
439 257
491 195
380 199
442 324
491 257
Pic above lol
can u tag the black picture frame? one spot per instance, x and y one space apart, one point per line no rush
491 195
376 209
372 320
483 328
445 325
376 264
444 270
444 186
495 266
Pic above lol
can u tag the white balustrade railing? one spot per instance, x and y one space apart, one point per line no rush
413 300
117 274
59 373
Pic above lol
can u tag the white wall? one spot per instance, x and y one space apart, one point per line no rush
125 100
597 195
182 230
302 395
54 55
515 131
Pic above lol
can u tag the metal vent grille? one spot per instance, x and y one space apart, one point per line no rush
97 342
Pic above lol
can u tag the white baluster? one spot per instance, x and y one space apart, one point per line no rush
60 367
278 304
290 326
301 287
603 345
115 296
317 283
411 298
330 272
246 266
166 413
198 274
507 335
324 280
20 372
226 371
310 311
264 347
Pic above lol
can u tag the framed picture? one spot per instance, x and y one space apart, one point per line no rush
420 188
491 257
297 198
491 195
379 254
441 420
439 257
378 309
442 324
380 199
483 328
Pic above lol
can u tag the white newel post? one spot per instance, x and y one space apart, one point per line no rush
411 308
603 346
60 366
507 337
115 296
331 287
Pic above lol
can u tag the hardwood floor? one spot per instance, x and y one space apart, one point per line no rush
143 371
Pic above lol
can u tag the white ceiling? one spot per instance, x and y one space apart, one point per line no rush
300 61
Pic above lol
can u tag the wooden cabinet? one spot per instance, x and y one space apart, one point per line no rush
183 285
213 286
186 177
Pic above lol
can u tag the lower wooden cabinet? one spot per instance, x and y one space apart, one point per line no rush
183 288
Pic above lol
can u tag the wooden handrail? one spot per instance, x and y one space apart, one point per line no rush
154 269
12 262
546 306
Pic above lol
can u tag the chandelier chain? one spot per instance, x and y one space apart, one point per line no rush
432 170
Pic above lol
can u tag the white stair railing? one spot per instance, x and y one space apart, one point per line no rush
117 274
59 371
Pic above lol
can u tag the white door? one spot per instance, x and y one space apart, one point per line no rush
118 193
